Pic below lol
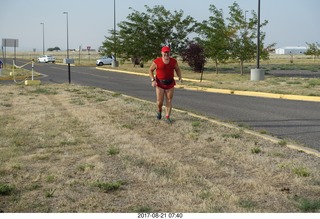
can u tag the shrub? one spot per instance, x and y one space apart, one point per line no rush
194 56
301 172
110 186
307 206
113 150
5 189
256 150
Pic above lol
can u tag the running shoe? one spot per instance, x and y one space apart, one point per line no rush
158 115
169 121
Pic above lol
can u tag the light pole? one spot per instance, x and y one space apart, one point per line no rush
257 74
114 29
114 62
43 48
69 74
66 13
258 37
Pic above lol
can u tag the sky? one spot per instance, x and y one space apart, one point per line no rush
291 22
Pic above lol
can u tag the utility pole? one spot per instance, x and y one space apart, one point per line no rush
43 47
258 37
257 74
115 63
68 60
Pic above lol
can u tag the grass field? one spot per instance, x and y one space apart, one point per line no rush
68 148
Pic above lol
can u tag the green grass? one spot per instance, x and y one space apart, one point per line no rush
263 132
113 151
49 193
232 135
44 90
314 82
128 126
84 167
247 204
301 171
110 186
256 150
5 189
196 124
308 206
143 209
282 143
50 178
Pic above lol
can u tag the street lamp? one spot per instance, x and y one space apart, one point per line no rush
258 37
68 61
66 13
115 63
114 29
257 73
43 39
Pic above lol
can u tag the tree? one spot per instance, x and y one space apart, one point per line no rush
56 48
109 45
313 49
194 55
144 33
215 37
244 35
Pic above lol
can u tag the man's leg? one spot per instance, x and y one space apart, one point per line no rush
160 97
169 96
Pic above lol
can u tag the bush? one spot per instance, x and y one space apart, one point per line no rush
110 186
5 189
194 56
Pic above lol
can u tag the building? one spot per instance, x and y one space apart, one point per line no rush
291 50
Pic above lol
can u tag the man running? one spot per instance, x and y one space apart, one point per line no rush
164 80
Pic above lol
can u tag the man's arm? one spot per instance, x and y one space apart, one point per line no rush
151 70
178 71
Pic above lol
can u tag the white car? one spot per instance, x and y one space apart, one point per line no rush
46 59
105 60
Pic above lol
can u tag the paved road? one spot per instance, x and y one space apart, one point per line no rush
297 120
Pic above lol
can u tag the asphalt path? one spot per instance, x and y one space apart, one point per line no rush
288 119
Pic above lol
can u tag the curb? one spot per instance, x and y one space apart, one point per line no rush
253 93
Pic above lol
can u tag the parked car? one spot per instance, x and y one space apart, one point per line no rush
47 58
105 60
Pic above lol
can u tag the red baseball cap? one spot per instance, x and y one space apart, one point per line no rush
165 49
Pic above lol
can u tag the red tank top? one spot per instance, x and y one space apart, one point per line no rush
165 71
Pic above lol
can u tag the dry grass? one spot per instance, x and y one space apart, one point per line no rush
67 148
18 74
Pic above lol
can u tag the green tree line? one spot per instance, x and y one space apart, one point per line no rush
233 38
313 50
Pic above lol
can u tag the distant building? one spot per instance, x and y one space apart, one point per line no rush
86 50
291 50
